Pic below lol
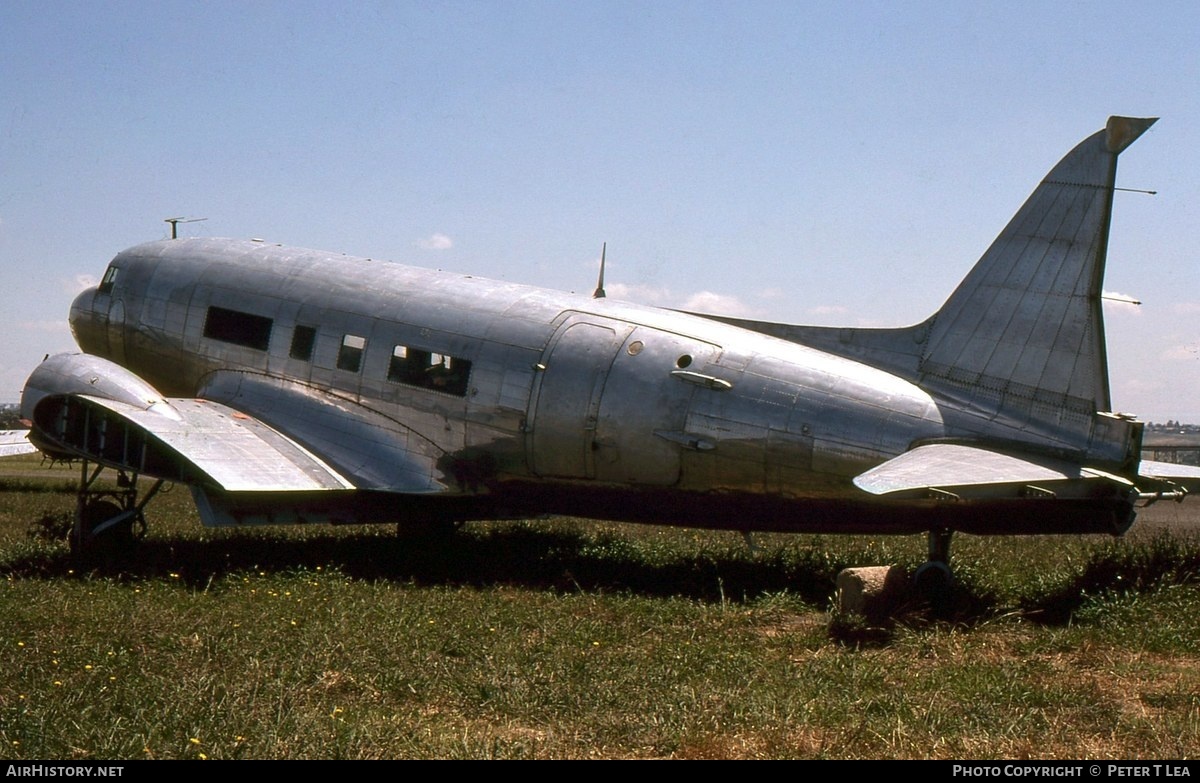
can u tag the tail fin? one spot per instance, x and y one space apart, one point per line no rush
1022 337
1024 332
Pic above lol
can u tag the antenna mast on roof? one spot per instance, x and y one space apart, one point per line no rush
599 292
175 221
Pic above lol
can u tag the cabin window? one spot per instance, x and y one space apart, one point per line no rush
232 326
350 354
429 370
110 279
303 338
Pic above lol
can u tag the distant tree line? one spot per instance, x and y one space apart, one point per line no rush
10 419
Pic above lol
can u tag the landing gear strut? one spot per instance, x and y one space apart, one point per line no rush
108 522
933 577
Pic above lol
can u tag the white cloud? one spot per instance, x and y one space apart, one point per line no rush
717 304
81 282
436 242
643 294
1120 303
60 326
1177 353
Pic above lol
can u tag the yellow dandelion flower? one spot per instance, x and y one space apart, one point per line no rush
87 667
194 740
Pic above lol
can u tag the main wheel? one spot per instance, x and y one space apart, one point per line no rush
119 538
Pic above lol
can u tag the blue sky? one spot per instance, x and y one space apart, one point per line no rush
809 162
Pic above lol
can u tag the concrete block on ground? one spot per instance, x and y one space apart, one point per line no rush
872 590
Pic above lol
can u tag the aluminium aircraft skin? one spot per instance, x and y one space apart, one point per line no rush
289 385
14 442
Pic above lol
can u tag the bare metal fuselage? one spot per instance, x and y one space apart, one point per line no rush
570 404
289 385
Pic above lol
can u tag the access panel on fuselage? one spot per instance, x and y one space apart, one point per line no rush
644 406
561 423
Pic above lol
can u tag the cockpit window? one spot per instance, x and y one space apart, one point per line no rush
110 279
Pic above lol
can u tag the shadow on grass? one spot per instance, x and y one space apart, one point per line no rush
526 555
1116 570
562 558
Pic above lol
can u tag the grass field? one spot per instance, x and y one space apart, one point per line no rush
573 639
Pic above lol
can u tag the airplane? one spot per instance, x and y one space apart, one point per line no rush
14 442
287 385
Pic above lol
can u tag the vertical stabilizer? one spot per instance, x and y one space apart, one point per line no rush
1021 340
1023 334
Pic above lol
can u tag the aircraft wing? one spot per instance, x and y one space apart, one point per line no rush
971 472
244 433
14 442
85 407
191 440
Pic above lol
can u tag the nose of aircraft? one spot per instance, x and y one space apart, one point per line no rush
85 323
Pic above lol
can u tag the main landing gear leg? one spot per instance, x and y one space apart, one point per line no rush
108 522
933 577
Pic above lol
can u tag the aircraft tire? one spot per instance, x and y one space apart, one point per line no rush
112 541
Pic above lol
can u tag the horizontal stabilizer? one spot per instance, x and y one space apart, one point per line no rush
1186 476
972 472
